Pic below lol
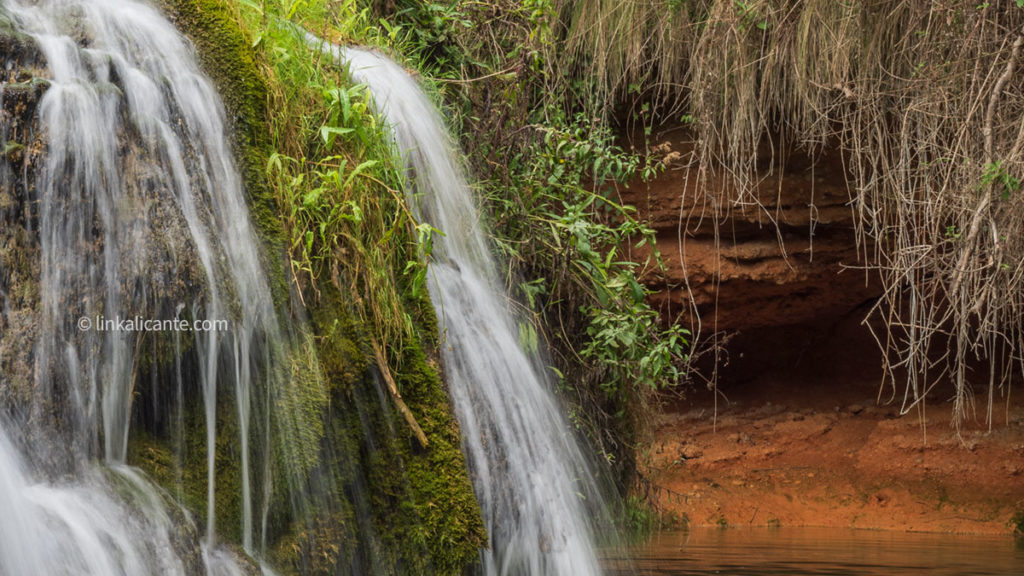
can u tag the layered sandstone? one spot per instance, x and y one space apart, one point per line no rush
783 254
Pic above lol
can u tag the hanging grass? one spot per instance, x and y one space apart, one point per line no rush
925 102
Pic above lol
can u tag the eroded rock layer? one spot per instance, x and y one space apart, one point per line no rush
783 254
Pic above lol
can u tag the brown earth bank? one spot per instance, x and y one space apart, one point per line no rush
799 432
816 442
783 252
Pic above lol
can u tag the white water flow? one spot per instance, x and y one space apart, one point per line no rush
529 474
72 530
140 214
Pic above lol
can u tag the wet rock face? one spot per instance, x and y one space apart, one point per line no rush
153 245
23 85
783 255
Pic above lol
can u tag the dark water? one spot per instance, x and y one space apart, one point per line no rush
817 551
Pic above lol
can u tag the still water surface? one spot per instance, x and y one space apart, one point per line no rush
817 551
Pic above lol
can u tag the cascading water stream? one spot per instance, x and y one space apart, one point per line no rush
529 474
140 210
82 529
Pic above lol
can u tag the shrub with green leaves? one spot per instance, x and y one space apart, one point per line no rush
563 227
550 177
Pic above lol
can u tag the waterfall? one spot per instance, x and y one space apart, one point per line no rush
84 529
530 476
141 217
142 280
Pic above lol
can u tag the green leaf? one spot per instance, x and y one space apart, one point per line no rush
11 146
328 133
358 170
295 8
274 163
637 289
528 337
310 199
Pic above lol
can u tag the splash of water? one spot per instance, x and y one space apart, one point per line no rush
529 474
97 526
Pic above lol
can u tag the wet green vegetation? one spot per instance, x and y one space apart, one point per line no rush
350 264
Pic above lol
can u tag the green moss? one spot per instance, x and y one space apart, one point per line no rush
339 340
19 296
351 466
450 527
450 524
10 35
185 475
226 55
7 27
420 501
300 402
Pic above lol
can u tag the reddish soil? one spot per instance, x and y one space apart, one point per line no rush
784 252
800 434
812 445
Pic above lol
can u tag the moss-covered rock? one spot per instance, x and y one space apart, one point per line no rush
383 503
225 54
350 490
22 146
450 526
179 464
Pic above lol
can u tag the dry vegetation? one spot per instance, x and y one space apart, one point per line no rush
925 102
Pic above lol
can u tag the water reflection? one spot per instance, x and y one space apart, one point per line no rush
819 551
